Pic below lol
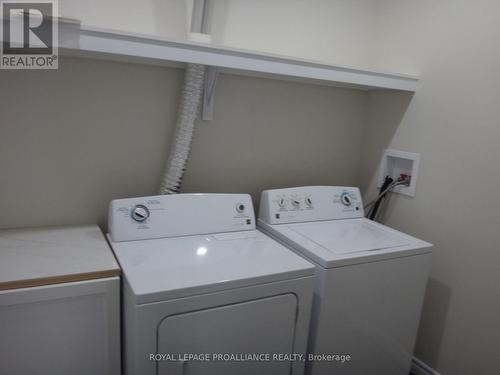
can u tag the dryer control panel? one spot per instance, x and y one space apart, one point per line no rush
179 215
310 203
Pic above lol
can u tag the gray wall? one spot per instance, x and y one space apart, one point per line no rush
73 139
453 121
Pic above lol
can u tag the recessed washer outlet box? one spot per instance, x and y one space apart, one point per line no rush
394 163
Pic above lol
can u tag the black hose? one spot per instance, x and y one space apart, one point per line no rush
373 212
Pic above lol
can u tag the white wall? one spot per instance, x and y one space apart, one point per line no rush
334 31
73 139
453 121
164 18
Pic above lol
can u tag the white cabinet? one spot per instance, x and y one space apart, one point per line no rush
60 329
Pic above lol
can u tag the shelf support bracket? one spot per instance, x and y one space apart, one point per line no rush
209 93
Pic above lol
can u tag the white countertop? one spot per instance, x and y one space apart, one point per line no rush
41 256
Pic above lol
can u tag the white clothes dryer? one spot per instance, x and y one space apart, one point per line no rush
199 279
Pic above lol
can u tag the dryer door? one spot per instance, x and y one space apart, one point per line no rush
265 325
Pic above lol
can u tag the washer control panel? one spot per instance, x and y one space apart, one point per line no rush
310 203
179 215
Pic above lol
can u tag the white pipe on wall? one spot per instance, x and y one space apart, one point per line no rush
188 107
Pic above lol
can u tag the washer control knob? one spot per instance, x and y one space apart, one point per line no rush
346 199
240 207
282 202
308 201
295 202
140 213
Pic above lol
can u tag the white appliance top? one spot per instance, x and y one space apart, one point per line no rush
41 256
349 236
326 225
182 262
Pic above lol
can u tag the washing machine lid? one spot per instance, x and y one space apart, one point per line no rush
168 268
349 236
341 242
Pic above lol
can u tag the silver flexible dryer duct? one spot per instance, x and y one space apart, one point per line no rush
183 136
189 105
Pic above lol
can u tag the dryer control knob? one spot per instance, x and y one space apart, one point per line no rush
140 213
346 199
295 202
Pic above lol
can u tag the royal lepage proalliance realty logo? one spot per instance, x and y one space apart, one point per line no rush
29 34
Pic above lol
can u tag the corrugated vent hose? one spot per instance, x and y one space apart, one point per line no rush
189 105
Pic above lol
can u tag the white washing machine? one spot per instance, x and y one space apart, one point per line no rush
370 279
200 280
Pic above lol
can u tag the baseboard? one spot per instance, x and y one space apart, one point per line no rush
420 368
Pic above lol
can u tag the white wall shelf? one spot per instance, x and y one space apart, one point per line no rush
106 44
